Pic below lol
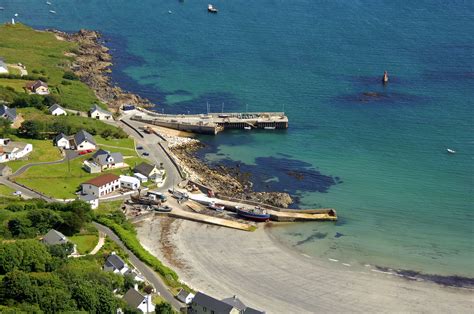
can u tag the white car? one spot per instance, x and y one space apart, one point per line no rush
17 193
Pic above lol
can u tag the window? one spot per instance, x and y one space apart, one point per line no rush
204 309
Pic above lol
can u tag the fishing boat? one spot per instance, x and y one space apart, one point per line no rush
255 214
211 8
216 206
48 3
269 128
451 151
247 127
179 195
52 11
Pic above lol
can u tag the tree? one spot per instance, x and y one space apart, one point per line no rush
16 285
86 297
5 127
10 257
32 129
107 301
164 308
129 282
20 227
44 219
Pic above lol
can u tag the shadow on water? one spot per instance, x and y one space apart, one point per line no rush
314 236
450 281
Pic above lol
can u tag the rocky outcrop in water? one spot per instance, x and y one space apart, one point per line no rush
92 65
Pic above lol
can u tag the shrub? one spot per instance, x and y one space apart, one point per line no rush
69 75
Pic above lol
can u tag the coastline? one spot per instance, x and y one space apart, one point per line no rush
268 275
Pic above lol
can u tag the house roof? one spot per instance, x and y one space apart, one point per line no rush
211 303
115 261
9 113
133 298
101 157
144 168
102 180
250 310
54 237
97 108
13 146
54 107
130 179
60 136
235 303
183 294
82 136
87 197
34 85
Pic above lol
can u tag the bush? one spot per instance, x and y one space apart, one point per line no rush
68 75
64 82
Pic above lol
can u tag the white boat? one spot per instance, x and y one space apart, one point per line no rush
451 151
48 3
170 12
216 207
269 128
247 127
211 8
52 11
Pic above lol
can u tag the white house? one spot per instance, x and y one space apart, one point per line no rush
98 113
3 67
62 141
128 182
103 160
140 177
84 141
115 264
57 110
185 296
138 301
38 87
150 171
13 150
90 199
101 185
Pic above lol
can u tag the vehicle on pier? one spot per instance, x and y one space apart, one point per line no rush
216 206
255 214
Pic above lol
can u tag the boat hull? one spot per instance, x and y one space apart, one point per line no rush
252 216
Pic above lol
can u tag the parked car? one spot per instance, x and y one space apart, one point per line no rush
83 152
139 147
146 154
89 150
17 193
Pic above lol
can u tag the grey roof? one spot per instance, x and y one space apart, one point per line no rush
87 197
211 303
3 166
60 136
144 168
115 261
97 108
9 113
250 310
235 302
82 136
101 157
54 107
54 237
133 298
182 295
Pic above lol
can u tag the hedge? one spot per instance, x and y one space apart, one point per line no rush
131 242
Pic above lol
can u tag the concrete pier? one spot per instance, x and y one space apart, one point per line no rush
213 123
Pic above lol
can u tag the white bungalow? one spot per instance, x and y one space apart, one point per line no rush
57 110
81 141
98 113
90 199
13 150
38 87
128 182
138 301
62 141
101 185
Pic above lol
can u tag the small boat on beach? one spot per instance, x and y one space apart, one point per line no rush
216 206
451 151
163 209
255 214
212 9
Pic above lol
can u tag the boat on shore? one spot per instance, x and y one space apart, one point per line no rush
211 9
163 209
255 214
451 151
216 206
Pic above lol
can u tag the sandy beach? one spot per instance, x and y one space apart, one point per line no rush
268 276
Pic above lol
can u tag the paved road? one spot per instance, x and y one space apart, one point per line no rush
25 193
157 155
149 274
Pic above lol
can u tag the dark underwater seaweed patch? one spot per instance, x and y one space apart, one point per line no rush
314 236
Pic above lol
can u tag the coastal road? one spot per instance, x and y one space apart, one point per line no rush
149 274
157 154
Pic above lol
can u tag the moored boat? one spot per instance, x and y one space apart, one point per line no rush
211 8
216 207
451 151
269 128
247 127
255 214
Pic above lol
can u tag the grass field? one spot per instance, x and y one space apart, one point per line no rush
43 53
62 181
43 150
6 190
84 242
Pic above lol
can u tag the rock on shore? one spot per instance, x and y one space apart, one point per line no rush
225 181
92 66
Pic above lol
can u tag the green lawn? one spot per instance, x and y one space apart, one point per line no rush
85 242
43 150
6 190
61 181
43 53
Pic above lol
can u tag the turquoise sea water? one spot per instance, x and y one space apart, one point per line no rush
380 160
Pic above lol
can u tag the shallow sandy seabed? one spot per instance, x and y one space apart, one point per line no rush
267 276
